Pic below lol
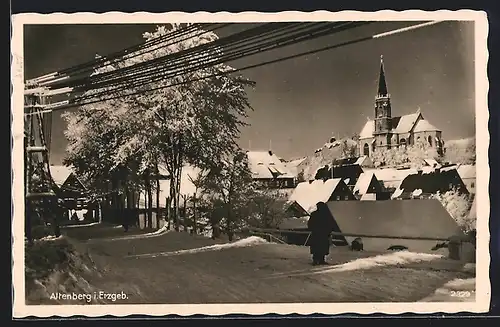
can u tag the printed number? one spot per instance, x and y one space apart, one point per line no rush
461 293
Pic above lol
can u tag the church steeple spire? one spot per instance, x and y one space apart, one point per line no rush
383 120
382 85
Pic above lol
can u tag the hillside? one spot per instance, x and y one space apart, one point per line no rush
324 156
461 151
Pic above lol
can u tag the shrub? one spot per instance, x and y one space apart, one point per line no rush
458 206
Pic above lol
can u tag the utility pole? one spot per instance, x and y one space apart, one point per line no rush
40 198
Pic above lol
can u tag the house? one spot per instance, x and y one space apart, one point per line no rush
364 161
187 188
324 156
424 184
411 218
386 131
70 188
293 166
266 167
349 173
391 177
369 188
468 175
307 194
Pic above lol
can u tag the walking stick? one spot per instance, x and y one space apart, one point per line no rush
307 239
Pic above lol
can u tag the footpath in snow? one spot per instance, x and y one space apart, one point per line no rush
156 233
249 241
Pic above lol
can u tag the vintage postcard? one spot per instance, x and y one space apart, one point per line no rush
250 163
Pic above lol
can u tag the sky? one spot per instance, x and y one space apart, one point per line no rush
299 104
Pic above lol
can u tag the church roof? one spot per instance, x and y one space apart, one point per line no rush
405 123
400 125
424 126
367 131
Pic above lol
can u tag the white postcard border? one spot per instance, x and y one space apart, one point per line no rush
483 288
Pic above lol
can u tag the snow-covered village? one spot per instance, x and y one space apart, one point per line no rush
231 163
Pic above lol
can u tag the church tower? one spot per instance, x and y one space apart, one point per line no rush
383 115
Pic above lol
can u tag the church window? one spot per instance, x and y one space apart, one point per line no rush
429 139
366 149
402 142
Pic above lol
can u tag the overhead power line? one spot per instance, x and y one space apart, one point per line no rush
65 104
104 60
304 33
198 52
208 60
174 57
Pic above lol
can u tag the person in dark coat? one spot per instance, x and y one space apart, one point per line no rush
320 224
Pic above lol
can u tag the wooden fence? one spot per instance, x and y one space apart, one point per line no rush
399 237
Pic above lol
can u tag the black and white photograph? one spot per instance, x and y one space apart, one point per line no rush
246 163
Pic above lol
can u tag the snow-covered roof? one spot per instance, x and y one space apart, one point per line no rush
264 164
400 125
292 165
467 171
60 173
369 197
430 182
296 162
424 126
431 162
406 123
363 182
307 195
391 174
363 161
368 129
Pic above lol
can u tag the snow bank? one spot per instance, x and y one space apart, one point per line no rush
392 259
80 225
50 238
249 241
163 230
